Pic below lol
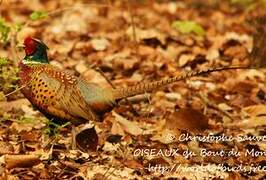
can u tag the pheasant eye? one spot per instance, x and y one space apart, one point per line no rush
30 46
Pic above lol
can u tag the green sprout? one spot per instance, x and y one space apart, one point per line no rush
8 76
186 27
4 31
53 128
3 61
37 15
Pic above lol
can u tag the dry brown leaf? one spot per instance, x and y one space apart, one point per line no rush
126 64
251 74
257 115
212 54
225 107
110 147
117 129
20 127
16 104
146 34
255 110
128 126
13 161
28 110
29 136
184 59
237 37
87 140
64 48
187 119
6 148
234 176
73 21
174 96
254 116
133 164
100 44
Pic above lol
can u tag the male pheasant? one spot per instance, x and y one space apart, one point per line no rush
58 94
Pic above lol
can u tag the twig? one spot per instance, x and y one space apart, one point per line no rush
214 106
133 28
13 44
106 78
18 89
73 138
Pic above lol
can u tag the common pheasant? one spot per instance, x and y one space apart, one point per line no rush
58 94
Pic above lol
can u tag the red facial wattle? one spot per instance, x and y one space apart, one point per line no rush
30 46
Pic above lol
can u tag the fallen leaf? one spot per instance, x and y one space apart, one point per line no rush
114 138
6 148
187 119
212 54
251 74
237 37
13 161
117 129
28 110
110 147
100 44
127 63
87 140
186 27
225 107
133 164
128 126
174 96
257 115
143 34
254 116
255 110
20 127
29 136
73 21
184 59
16 104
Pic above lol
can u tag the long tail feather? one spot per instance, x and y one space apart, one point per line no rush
151 86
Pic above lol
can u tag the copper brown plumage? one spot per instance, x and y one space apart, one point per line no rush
61 95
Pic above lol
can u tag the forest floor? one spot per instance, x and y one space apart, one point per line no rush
206 127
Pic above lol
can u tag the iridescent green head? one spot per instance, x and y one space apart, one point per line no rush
35 50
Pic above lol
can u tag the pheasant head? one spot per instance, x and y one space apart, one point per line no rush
35 50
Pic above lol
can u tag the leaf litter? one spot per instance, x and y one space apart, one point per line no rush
162 40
